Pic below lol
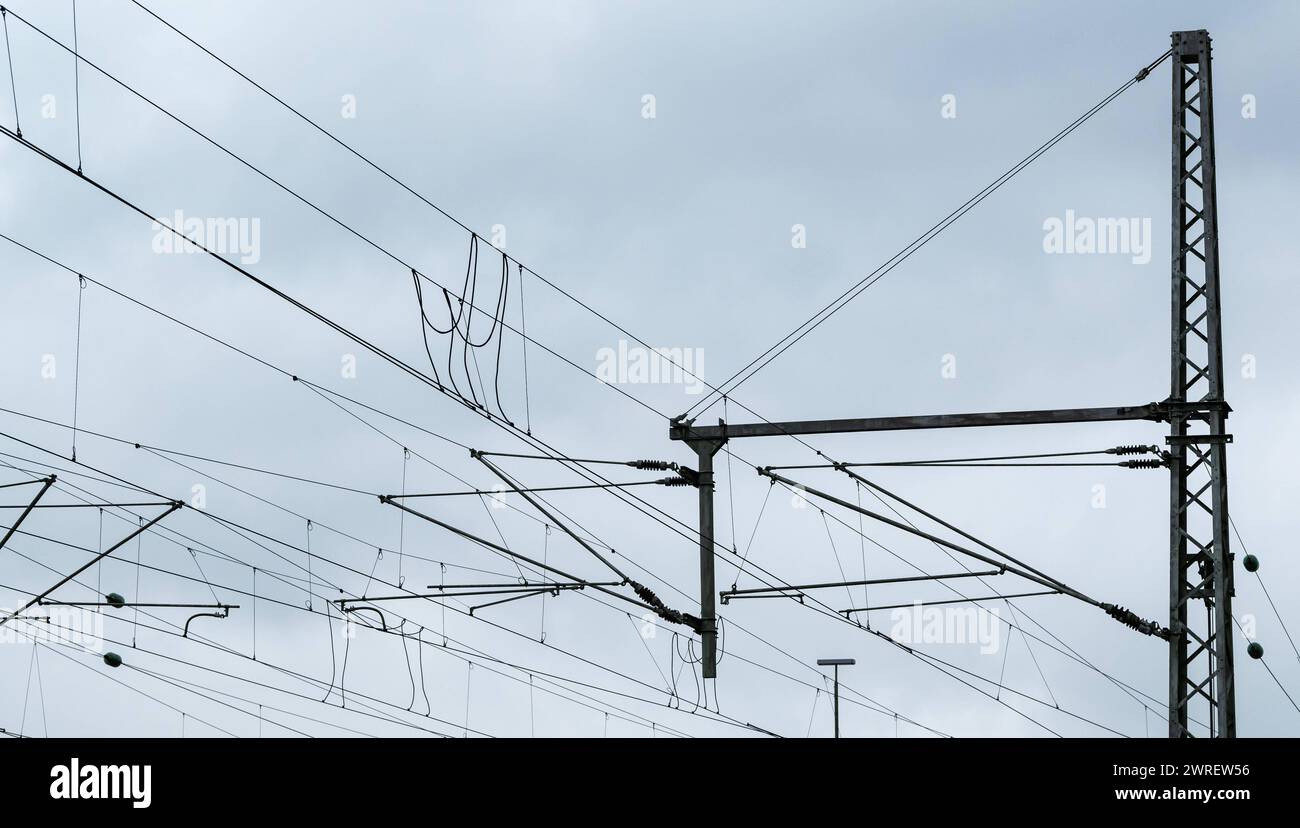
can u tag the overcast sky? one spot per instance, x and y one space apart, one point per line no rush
792 149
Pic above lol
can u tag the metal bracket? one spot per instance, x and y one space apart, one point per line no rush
1198 439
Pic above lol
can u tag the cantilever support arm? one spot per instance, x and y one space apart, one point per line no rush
685 430
782 591
490 545
520 490
912 530
49 481
1124 616
847 612
144 527
655 603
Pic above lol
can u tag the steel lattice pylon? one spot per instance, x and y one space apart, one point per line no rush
1200 653
1200 637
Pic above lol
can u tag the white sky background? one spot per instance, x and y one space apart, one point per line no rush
529 116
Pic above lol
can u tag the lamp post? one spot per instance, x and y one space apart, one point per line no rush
836 663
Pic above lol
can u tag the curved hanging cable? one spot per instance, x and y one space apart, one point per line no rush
460 329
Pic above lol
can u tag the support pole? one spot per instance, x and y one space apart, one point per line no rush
704 451
1200 571
836 663
837 701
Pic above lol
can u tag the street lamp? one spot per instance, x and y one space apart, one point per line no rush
836 663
